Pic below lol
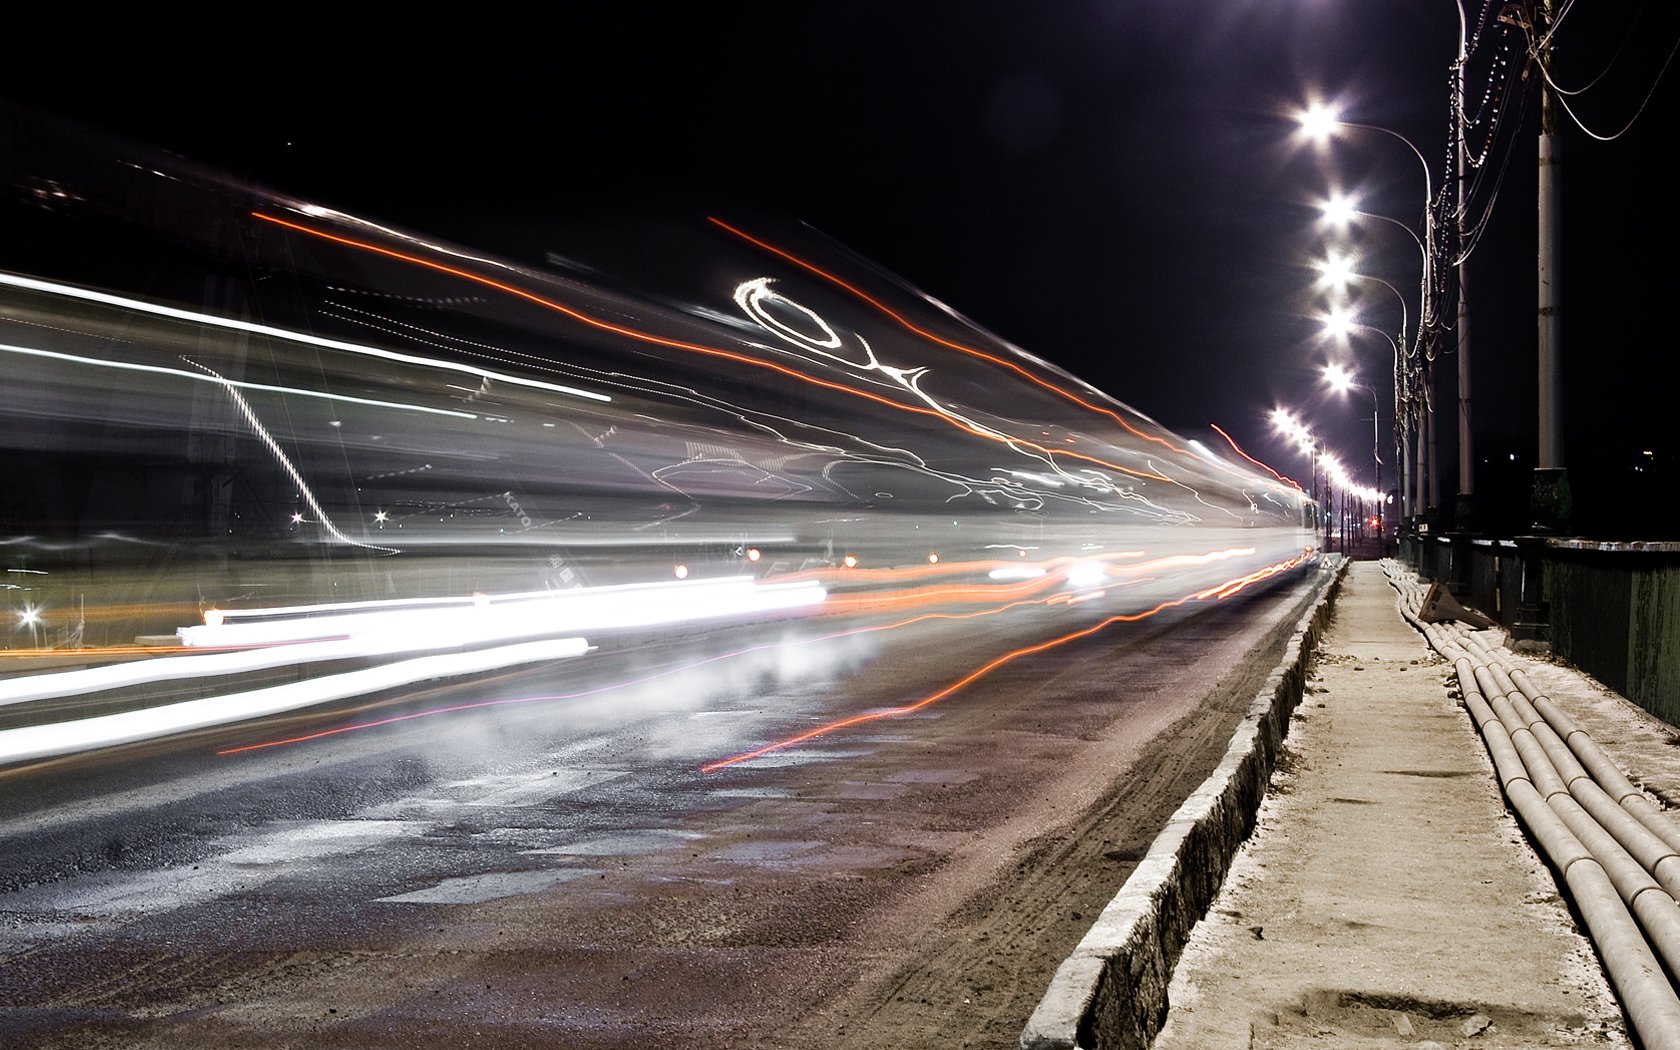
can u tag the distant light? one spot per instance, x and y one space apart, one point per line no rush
213 617
381 517
682 572
933 559
1020 572
753 554
1087 575
850 561
29 617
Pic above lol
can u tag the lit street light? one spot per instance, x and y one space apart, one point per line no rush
1319 122
1341 381
1406 411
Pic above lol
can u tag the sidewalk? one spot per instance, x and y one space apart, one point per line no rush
1388 897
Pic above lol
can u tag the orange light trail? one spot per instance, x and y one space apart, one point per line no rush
851 604
933 337
697 348
91 652
1221 591
1296 485
834 578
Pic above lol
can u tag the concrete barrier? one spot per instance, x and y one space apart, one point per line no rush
1111 992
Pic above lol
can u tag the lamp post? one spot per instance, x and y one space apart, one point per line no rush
1338 323
1341 381
1464 510
1550 501
1340 210
1286 423
1319 122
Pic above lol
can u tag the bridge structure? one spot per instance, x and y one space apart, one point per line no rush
314 473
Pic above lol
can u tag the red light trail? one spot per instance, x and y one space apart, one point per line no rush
932 337
697 348
1294 484
1222 591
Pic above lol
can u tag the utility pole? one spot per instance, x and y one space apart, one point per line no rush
1550 501
1464 511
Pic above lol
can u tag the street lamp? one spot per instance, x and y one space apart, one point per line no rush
1339 323
1337 271
1318 122
1309 446
1339 211
1341 381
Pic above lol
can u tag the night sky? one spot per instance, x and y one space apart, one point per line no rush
1114 186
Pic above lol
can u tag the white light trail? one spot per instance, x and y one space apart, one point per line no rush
85 734
141 306
176 373
487 618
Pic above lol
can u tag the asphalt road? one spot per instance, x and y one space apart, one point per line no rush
525 861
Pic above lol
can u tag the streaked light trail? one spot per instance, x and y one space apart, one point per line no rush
1220 592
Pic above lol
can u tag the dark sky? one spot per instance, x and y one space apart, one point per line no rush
1110 184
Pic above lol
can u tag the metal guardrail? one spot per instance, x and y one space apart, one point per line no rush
1608 608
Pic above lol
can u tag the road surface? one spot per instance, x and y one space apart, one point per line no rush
563 873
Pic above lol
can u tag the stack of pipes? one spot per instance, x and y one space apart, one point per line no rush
1617 852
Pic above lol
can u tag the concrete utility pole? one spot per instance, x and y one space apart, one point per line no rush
1420 442
1433 507
1550 501
1464 511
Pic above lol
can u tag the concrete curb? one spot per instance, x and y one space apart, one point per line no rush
1112 991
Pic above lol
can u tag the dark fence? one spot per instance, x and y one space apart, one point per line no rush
1611 609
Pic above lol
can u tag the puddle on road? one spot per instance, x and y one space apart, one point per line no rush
477 889
765 792
318 839
628 843
530 789
798 757
254 861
